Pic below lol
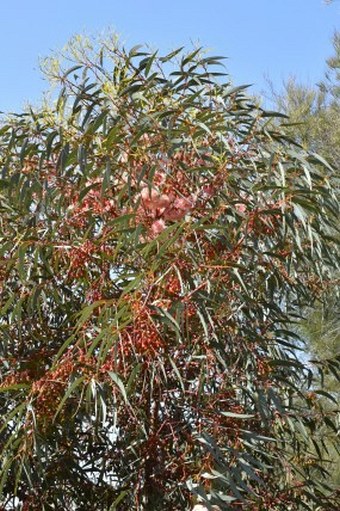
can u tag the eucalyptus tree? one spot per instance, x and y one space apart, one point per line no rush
160 236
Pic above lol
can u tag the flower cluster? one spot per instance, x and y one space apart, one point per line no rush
142 336
158 208
15 379
93 204
80 256
49 389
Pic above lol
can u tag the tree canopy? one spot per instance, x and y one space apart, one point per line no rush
161 234
314 114
314 111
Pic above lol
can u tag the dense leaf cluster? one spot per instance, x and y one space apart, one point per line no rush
159 238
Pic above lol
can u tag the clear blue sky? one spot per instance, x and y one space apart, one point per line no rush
274 37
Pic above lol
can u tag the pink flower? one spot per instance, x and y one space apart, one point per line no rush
152 200
178 209
208 191
148 196
183 204
158 226
162 202
240 208
159 178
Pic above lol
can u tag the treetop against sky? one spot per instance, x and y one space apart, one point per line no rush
263 37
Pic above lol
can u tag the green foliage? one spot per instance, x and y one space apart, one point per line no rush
160 236
314 114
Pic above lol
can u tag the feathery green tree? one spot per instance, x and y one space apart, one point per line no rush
314 116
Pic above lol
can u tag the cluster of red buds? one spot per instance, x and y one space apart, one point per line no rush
79 257
94 294
86 364
142 336
31 503
15 379
92 204
83 254
49 389
173 285
47 171
265 224
263 368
